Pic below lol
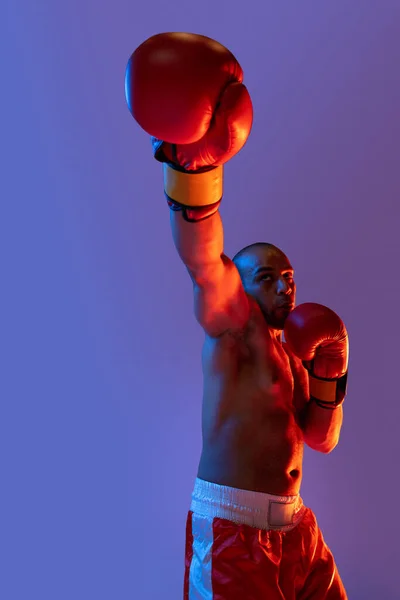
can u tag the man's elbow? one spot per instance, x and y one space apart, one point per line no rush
325 447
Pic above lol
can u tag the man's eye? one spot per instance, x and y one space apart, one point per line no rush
289 275
266 277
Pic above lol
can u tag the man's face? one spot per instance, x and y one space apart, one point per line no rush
269 279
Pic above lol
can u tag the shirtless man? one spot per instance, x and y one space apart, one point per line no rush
249 536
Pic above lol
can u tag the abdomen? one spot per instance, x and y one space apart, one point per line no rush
261 451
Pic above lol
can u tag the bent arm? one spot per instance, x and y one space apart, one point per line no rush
220 301
321 427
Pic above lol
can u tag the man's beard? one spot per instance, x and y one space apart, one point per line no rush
276 319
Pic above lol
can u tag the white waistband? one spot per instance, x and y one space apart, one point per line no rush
257 509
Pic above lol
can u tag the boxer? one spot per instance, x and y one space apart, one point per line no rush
249 536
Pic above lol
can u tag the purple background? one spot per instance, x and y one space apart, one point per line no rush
101 377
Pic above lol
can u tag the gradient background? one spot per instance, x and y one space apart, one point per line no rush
101 379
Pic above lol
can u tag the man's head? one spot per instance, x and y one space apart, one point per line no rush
267 275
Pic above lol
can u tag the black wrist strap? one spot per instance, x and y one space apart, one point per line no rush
203 212
326 405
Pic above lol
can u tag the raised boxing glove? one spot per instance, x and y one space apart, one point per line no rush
317 335
186 91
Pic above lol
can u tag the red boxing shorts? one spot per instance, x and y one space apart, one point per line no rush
243 545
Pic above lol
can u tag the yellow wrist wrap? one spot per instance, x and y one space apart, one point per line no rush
327 393
194 189
323 390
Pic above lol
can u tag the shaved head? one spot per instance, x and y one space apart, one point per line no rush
248 258
267 275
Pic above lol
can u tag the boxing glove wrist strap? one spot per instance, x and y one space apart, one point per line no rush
327 393
193 189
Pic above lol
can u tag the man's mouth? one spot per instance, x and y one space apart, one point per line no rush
286 306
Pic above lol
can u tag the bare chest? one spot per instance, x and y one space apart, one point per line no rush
249 375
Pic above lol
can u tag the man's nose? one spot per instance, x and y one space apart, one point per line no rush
283 287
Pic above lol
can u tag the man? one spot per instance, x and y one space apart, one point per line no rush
249 536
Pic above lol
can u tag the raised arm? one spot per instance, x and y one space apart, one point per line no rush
186 90
220 302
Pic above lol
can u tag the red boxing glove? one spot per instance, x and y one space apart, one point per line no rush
317 335
186 91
